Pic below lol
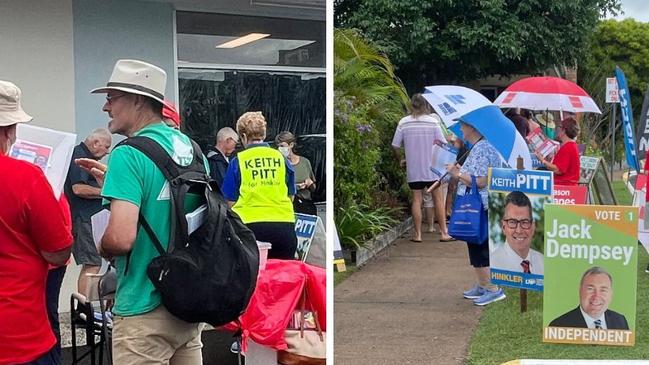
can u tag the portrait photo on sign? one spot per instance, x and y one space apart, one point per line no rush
516 222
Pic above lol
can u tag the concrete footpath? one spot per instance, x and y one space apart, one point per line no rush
406 306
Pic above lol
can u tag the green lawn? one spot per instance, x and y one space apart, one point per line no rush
505 334
340 276
622 193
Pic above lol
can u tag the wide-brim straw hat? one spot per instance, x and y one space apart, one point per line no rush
548 122
11 112
136 77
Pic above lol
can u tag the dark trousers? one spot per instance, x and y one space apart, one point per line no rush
279 234
52 290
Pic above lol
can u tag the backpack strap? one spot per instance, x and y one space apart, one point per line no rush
171 171
152 149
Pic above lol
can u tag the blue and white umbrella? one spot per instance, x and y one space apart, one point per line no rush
457 103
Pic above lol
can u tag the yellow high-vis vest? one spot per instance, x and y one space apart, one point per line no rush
263 194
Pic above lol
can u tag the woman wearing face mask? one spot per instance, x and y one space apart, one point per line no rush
259 186
304 177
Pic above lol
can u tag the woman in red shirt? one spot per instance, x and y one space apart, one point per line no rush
565 164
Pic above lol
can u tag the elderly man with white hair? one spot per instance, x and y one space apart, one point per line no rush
219 156
34 233
84 196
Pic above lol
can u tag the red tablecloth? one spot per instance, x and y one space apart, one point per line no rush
277 295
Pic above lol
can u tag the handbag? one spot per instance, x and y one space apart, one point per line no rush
305 346
469 220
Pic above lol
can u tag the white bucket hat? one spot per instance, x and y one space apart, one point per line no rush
136 77
10 110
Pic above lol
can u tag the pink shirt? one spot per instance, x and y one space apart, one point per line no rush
417 137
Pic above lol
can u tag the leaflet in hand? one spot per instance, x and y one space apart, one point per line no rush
48 149
540 143
443 154
99 223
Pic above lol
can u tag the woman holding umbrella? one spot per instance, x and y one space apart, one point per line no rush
481 157
566 164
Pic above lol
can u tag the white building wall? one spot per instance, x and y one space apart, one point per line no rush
105 31
36 53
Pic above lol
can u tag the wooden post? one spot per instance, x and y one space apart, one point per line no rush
521 166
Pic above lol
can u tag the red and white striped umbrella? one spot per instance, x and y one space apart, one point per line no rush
547 93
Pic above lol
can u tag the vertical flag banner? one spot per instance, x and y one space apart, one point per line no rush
591 260
627 120
516 200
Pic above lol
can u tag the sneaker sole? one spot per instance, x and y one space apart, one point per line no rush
491 301
471 296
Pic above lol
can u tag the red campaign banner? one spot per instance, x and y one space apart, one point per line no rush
570 194
640 181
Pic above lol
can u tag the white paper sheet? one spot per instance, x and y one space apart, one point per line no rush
443 154
47 148
99 223
196 218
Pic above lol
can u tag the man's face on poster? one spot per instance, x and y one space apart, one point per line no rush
519 227
595 294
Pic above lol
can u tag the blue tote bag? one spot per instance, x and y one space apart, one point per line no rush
469 219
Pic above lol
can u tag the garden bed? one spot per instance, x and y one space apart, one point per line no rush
374 246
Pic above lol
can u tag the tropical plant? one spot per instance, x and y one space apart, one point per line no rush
358 223
369 101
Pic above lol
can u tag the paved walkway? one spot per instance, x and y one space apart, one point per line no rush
405 306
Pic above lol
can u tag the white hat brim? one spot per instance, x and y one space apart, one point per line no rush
104 90
8 118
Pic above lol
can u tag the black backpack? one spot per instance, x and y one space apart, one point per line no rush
210 274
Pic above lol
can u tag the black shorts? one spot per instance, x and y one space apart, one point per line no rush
419 185
479 254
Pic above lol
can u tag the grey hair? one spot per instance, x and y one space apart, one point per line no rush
99 133
225 133
593 271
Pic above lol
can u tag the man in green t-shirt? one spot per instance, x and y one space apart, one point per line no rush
143 330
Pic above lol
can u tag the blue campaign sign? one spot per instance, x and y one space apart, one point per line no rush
305 225
526 181
517 279
535 162
627 120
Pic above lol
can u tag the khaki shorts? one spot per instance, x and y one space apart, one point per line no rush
156 337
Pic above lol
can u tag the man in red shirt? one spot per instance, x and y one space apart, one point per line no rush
33 234
566 163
